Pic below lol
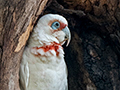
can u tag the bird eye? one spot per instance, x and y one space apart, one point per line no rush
55 25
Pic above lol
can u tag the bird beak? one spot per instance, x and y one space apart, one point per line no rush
68 35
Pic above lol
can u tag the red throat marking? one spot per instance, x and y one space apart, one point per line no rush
53 46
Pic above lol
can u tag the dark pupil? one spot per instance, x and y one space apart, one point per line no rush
57 24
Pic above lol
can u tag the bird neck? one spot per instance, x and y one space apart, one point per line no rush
45 45
40 51
41 39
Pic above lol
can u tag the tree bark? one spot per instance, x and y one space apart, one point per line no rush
93 55
104 13
17 18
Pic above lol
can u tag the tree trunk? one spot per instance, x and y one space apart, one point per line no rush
17 18
93 55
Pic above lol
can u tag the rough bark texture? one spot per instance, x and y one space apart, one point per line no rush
93 54
17 18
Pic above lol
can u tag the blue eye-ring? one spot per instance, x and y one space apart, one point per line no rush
55 25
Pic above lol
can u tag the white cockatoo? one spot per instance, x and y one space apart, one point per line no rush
43 66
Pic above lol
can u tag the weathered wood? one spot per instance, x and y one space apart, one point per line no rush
104 13
17 18
94 52
93 55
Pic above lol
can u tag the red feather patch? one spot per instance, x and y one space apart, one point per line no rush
53 46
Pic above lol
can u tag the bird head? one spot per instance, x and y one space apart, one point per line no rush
53 27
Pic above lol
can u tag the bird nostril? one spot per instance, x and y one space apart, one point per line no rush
65 37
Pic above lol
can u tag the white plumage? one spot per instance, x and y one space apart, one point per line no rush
43 66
